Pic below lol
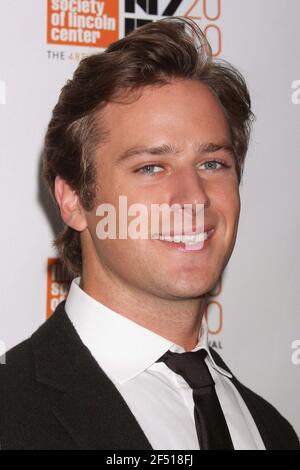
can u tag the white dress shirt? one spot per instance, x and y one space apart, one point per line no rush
160 399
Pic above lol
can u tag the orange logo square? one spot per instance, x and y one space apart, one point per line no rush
89 23
58 284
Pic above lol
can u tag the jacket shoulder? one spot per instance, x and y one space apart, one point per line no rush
17 368
26 417
17 393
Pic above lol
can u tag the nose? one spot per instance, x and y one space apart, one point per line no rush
188 188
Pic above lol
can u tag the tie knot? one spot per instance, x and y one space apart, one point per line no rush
191 366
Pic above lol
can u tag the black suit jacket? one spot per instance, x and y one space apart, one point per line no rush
54 395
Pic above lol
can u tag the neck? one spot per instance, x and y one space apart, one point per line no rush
176 319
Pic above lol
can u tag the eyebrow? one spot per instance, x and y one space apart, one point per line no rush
169 149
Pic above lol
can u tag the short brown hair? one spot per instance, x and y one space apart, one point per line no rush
172 47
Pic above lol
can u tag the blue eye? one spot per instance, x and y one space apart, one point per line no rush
212 165
152 169
149 169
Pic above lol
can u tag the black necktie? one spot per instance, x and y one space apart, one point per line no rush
212 430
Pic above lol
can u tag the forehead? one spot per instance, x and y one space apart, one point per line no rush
181 108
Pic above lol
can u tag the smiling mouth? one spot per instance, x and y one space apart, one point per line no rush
186 242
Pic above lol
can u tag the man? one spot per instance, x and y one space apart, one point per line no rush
124 362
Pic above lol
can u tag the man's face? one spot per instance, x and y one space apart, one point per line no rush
184 114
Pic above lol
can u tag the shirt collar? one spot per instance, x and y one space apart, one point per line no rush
122 347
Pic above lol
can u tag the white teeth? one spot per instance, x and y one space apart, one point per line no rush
188 239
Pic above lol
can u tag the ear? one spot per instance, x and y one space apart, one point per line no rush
70 208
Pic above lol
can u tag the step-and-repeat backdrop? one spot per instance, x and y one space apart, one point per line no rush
254 313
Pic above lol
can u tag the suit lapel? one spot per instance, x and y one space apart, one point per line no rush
82 397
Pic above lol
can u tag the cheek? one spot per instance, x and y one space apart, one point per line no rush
232 213
227 203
